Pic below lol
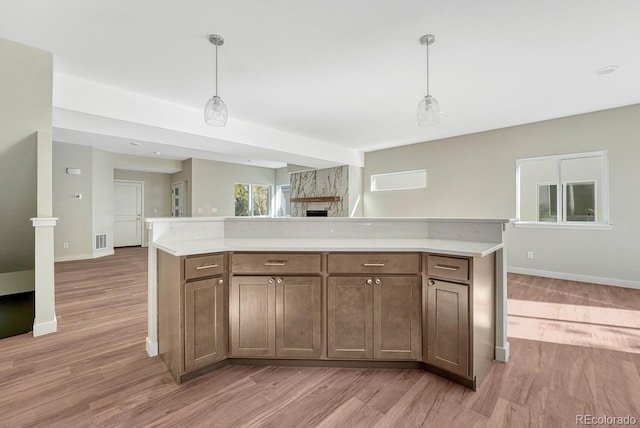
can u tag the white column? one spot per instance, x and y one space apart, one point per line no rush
45 321
502 345
152 295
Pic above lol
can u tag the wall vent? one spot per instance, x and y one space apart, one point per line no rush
101 241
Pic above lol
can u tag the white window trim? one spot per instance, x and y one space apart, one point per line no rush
372 186
604 224
271 198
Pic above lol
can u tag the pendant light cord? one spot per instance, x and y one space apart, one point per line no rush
216 69
427 67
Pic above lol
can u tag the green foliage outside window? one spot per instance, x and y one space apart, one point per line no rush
252 200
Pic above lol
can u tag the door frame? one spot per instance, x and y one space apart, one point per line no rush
184 197
140 217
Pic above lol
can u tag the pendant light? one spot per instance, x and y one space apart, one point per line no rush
428 108
215 111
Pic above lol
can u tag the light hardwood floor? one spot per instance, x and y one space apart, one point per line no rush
95 372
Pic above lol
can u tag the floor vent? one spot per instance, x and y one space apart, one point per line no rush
101 241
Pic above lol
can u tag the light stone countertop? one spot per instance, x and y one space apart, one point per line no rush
441 246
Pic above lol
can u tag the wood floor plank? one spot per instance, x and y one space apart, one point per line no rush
94 372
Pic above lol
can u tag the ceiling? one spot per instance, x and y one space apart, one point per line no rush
320 83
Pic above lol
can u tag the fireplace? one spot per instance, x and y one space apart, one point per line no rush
317 213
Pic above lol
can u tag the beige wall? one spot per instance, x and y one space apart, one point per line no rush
212 185
157 191
75 216
103 213
474 176
25 108
282 176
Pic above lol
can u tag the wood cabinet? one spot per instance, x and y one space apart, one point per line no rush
373 317
192 322
448 326
280 315
252 304
396 318
275 316
407 307
378 315
459 315
349 317
204 326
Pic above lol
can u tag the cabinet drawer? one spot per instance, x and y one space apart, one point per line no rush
276 263
201 266
448 267
372 263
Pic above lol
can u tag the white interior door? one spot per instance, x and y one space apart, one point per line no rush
178 199
128 197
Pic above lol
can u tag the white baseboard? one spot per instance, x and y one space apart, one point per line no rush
502 354
83 256
104 253
575 277
152 348
42 328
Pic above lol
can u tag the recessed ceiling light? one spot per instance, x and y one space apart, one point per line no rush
606 70
133 143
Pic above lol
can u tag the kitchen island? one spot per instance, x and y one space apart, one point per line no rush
408 292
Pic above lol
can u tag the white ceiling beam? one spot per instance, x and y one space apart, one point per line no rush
156 120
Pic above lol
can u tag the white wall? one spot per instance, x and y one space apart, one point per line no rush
25 107
212 185
474 176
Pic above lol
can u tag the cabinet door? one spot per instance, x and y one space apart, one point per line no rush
298 317
349 317
448 326
252 316
204 326
396 318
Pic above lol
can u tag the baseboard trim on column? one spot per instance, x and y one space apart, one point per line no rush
42 328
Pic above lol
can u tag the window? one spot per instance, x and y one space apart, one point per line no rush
253 200
399 180
565 189
283 201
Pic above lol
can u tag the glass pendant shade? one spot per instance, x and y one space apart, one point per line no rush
428 112
215 112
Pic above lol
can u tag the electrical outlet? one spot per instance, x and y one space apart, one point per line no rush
65 245
530 254
214 210
199 210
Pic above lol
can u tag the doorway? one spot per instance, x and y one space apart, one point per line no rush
129 207
178 199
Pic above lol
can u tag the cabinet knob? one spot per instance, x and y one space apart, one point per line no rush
378 281
431 282
369 281
220 281
271 280
279 280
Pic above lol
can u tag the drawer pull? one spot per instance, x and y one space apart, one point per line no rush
373 264
447 267
206 267
275 263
